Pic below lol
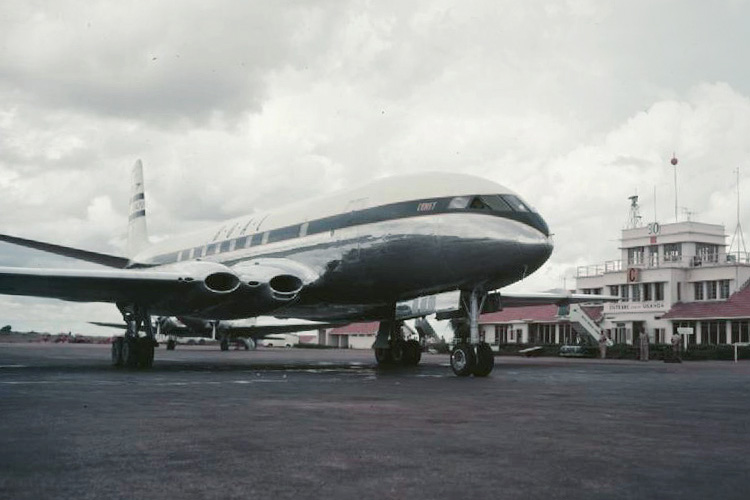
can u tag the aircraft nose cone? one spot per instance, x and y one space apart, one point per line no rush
536 253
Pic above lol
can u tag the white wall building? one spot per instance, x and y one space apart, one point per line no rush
660 266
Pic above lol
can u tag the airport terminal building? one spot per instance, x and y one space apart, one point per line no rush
670 276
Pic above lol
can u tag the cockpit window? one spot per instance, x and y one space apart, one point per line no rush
516 203
496 203
459 202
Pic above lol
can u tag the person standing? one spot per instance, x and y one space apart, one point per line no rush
603 345
676 347
643 341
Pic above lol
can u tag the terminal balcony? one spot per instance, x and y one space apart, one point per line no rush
685 261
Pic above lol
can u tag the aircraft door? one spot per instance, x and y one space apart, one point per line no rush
352 235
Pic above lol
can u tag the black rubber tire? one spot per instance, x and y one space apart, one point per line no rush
399 352
383 356
485 360
224 345
117 352
130 352
412 353
463 360
171 344
145 352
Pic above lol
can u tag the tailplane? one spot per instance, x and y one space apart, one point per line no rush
137 231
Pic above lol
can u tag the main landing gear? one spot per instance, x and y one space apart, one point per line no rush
470 356
133 351
391 348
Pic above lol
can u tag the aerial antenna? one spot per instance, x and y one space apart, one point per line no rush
689 214
674 163
634 216
741 251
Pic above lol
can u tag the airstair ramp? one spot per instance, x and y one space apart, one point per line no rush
424 328
584 325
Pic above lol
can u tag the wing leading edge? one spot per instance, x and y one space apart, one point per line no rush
75 253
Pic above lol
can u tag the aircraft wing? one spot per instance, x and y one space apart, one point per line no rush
84 285
519 299
263 331
75 253
496 301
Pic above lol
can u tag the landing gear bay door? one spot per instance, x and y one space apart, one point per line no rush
442 304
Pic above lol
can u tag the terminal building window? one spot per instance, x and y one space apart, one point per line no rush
698 290
635 255
636 289
658 291
653 256
673 252
613 290
707 252
711 290
624 295
740 331
647 292
659 336
713 332
724 289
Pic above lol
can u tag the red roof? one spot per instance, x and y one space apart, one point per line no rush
594 312
537 314
737 306
366 328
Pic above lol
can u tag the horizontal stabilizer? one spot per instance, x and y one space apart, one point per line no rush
85 255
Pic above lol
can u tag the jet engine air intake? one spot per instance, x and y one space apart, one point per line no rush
285 286
221 282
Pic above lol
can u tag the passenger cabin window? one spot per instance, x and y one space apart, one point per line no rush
224 247
303 229
241 242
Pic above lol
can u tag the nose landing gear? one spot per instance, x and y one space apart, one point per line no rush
472 356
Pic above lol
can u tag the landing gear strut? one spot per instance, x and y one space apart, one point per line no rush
133 351
391 348
470 356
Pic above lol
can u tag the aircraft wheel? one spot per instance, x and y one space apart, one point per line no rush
412 353
485 360
224 344
117 351
130 352
171 344
463 360
145 353
382 356
399 352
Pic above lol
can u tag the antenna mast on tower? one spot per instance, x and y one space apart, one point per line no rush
741 252
634 216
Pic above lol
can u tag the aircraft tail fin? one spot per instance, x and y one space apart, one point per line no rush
137 230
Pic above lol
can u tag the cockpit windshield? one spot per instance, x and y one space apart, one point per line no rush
491 202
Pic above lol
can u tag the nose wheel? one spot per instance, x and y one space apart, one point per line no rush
471 356
476 360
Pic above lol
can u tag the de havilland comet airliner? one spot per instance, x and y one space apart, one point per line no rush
350 256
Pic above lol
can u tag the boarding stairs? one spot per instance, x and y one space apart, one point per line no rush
582 323
425 330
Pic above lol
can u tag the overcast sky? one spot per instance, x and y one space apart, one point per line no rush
243 106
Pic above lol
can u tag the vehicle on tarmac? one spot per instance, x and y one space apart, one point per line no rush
349 256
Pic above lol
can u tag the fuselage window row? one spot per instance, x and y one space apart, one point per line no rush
508 206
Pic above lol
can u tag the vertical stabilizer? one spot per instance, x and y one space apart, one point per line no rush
137 232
